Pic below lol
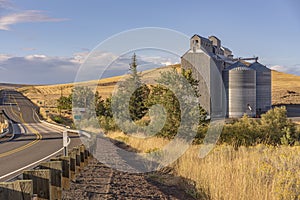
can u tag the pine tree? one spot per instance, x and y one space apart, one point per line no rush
137 107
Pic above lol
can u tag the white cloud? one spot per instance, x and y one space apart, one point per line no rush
37 69
43 69
294 69
25 16
5 4
4 57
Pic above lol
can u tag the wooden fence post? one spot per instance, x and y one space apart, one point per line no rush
40 182
65 180
16 190
72 155
86 156
55 168
83 161
78 159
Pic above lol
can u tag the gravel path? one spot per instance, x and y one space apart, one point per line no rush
100 182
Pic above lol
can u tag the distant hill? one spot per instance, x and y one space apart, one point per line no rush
11 85
48 94
285 87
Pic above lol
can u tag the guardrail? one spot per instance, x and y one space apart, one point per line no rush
48 179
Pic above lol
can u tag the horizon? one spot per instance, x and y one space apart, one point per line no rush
44 43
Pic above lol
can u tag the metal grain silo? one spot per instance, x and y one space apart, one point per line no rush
263 87
240 86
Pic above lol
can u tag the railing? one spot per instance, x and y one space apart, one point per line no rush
48 179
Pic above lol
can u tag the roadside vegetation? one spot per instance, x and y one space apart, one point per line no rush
3 126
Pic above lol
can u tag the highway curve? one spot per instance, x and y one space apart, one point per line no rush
33 140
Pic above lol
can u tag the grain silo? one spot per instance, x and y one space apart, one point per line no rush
263 87
240 86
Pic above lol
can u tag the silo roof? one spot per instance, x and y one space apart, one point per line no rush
259 67
238 66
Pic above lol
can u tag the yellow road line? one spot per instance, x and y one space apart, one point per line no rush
37 139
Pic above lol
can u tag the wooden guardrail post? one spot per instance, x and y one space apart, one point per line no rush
72 155
83 161
40 182
65 179
78 159
55 168
86 156
16 190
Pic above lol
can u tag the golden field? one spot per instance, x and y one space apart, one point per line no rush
285 88
259 172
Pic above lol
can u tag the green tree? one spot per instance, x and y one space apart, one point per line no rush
244 132
276 125
165 97
137 107
83 97
64 103
169 99
187 73
99 105
274 128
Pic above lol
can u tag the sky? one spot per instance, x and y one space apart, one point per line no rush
46 42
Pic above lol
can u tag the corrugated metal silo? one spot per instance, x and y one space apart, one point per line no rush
240 85
263 87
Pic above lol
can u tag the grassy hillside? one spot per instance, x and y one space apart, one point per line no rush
47 95
285 88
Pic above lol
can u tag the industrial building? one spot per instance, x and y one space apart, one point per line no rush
241 85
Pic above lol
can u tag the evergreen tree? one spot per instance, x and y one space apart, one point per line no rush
137 107
99 104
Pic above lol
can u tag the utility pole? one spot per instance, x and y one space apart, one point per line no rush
61 94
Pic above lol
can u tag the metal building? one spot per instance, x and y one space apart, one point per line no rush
248 86
208 71
263 87
240 86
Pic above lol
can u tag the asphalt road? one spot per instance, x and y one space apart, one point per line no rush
33 140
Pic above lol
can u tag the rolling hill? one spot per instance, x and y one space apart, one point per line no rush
285 88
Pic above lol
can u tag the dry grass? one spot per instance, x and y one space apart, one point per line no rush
143 145
260 172
2 126
285 88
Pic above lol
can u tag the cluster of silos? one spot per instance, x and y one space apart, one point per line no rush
263 87
240 85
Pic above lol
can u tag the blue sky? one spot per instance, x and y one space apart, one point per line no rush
46 41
